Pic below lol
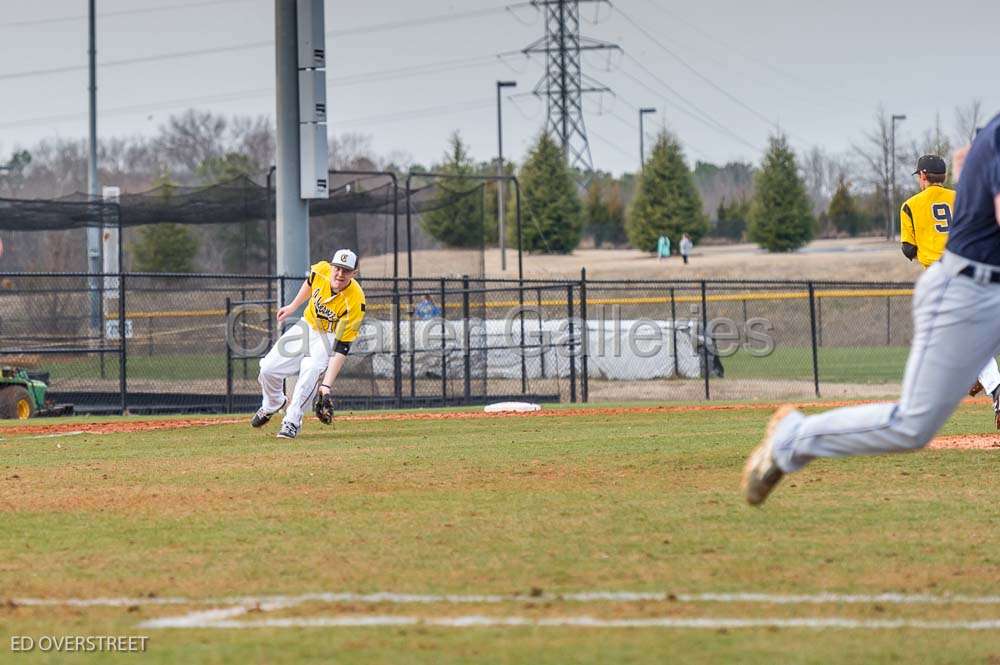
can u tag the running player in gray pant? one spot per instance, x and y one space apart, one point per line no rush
955 332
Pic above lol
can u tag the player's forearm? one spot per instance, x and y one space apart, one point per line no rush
333 368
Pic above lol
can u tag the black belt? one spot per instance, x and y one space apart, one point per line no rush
969 271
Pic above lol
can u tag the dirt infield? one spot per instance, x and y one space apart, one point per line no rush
958 442
967 442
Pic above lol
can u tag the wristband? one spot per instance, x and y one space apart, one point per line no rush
323 385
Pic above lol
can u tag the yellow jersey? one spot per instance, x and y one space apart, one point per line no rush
924 221
340 313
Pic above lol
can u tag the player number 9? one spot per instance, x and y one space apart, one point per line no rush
942 213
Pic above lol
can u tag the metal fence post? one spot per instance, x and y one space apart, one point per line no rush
123 345
812 325
819 322
542 346
570 345
673 332
584 337
243 297
520 316
704 339
229 359
444 345
466 356
397 357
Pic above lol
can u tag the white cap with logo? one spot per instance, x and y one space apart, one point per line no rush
345 258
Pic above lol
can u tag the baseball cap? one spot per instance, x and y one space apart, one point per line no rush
345 258
931 164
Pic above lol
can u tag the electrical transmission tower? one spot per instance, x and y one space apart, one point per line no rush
564 83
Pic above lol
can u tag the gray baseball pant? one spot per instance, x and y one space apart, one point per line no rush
955 332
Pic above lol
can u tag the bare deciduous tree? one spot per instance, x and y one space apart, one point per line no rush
876 157
255 138
191 138
352 151
968 118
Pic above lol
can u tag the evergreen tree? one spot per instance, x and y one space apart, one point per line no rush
843 212
457 216
492 211
165 246
605 212
667 202
552 217
731 220
781 214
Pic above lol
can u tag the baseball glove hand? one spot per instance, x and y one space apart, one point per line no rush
323 407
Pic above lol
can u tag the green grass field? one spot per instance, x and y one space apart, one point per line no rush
878 364
866 364
639 502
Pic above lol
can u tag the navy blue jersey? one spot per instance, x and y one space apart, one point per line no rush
975 233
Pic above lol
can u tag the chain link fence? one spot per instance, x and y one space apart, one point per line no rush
193 342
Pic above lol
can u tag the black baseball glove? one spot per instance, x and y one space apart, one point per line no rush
323 407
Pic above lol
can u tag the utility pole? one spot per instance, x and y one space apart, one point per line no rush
642 137
501 183
564 83
94 284
892 149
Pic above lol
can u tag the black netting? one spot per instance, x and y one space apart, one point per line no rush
442 226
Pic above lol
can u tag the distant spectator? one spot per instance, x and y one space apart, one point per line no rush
663 247
426 309
685 247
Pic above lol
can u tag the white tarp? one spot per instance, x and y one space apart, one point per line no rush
618 350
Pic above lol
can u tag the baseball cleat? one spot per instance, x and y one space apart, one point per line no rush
975 389
288 430
996 407
761 473
262 417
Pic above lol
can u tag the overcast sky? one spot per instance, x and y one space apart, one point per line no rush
819 70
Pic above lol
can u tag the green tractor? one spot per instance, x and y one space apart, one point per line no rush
22 396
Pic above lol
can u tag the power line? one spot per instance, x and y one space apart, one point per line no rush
698 114
649 133
694 71
344 81
360 30
735 49
132 61
441 109
613 144
563 84
439 18
122 12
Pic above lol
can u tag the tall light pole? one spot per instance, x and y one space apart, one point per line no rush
501 183
892 150
642 136
93 185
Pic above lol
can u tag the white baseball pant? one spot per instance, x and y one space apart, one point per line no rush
955 333
300 350
990 376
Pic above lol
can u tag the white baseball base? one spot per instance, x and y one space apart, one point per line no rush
511 407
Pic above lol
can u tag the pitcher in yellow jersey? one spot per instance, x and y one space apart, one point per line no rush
924 221
316 347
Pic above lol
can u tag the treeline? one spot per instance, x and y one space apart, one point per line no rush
780 203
